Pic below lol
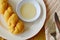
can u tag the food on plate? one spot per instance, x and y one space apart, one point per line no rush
8 12
16 29
2 1
15 25
3 6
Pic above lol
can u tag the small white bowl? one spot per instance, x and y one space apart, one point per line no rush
37 6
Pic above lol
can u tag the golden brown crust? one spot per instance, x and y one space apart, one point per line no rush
2 1
15 25
13 20
19 28
8 13
3 7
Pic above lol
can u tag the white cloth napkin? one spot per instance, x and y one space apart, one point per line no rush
52 7
50 28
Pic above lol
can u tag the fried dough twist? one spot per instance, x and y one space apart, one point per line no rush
15 25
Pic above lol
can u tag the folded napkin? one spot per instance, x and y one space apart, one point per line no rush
50 26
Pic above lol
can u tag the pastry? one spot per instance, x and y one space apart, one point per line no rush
3 7
15 25
8 12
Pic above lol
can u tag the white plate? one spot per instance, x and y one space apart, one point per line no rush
31 29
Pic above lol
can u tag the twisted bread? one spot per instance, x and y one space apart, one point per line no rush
15 25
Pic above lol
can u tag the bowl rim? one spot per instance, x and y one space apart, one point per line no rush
36 5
